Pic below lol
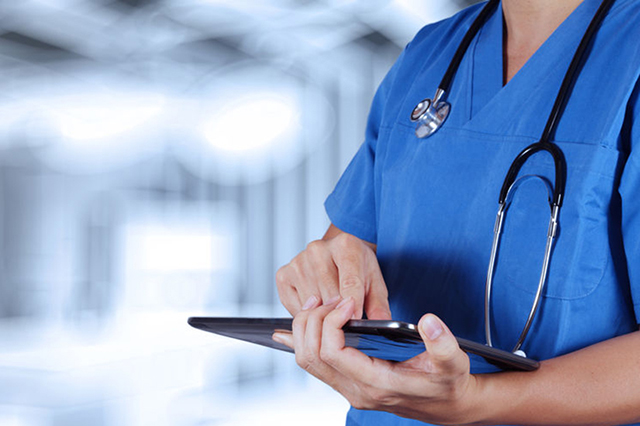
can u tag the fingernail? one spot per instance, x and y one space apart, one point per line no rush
432 328
310 303
332 300
276 337
344 302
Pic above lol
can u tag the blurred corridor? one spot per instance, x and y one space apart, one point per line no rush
161 159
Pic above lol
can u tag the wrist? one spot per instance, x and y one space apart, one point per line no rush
469 408
484 402
495 397
474 402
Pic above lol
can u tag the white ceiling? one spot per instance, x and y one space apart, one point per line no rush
109 61
111 31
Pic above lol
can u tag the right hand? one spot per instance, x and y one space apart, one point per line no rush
338 266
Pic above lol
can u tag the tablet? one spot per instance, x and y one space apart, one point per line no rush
390 340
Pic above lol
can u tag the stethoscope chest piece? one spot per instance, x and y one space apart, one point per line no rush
430 115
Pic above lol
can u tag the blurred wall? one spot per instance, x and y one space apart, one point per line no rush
161 159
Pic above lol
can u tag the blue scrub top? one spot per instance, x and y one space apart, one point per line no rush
430 204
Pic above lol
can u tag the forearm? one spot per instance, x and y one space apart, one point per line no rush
598 385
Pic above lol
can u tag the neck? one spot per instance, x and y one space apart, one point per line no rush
527 25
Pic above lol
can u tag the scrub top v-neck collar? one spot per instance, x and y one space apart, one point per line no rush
490 109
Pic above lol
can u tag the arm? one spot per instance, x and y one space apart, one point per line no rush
598 385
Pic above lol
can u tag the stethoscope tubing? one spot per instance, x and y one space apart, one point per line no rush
431 114
452 69
544 143
573 71
560 164
555 202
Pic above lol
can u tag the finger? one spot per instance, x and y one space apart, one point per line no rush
286 338
313 341
311 302
307 343
287 292
327 277
323 271
376 303
291 300
351 278
443 351
302 280
283 338
299 330
346 360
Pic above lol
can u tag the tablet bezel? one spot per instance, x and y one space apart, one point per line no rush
392 340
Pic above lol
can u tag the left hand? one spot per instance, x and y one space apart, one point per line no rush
435 386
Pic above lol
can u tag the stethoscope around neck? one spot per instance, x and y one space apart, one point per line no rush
430 114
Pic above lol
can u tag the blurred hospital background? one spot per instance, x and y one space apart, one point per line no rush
161 159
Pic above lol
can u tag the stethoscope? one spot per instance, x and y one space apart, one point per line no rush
430 115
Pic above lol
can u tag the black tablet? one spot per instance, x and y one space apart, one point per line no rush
390 340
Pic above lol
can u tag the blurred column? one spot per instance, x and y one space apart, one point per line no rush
39 242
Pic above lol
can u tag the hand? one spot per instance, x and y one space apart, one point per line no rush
338 266
435 386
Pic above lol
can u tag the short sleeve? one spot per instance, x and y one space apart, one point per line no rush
630 194
352 205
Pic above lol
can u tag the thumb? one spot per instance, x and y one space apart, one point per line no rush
441 345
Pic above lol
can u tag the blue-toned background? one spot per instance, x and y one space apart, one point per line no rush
161 159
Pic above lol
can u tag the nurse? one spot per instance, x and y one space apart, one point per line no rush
412 222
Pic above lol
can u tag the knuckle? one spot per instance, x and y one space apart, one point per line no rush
327 274
282 277
299 321
316 248
346 241
358 403
296 264
309 359
327 356
447 352
351 282
306 360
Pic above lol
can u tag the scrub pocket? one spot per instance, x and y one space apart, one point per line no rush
582 251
